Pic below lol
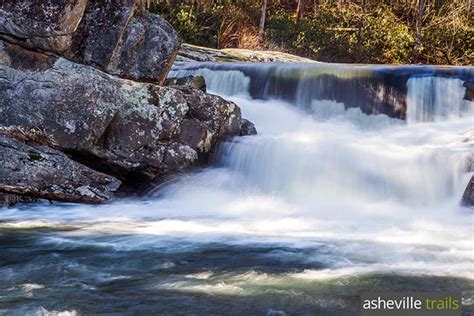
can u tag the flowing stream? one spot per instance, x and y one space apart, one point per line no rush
352 184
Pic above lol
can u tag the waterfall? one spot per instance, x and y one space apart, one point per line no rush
224 82
436 99
424 93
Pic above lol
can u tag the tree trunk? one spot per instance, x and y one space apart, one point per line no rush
197 5
299 10
419 26
419 21
261 29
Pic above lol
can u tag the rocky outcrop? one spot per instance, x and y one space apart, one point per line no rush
129 129
86 74
45 173
468 196
113 36
190 52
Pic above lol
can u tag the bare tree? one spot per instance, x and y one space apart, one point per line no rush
261 29
419 21
300 10
419 25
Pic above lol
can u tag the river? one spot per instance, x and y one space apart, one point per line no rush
341 191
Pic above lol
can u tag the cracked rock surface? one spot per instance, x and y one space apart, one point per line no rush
45 173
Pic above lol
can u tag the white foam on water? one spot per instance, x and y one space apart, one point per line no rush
44 312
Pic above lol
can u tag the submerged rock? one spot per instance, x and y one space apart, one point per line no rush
33 171
247 128
468 196
469 95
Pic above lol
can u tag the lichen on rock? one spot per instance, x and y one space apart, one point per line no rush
97 96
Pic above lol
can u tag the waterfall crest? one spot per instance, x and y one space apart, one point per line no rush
424 93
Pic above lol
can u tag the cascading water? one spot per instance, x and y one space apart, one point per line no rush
325 202
436 99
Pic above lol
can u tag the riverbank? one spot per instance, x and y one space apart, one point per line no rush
189 52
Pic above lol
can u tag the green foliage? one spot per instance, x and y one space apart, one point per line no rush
195 27
345 35
380 33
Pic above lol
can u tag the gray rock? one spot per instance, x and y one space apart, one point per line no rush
135 131
197 82
469 95
222 117
212 119
468 196
8 199
189 52
42 172
113 36
247 128
146 51
45 25
100 31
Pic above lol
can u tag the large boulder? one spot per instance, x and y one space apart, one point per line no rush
209 119
45 25
132 130
100 31
42 172
147 50
114 36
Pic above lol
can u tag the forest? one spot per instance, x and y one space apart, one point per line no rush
436 32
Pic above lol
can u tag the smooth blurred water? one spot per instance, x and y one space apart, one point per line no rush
325 202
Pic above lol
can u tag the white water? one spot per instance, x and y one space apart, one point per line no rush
227 82
378 195
437 99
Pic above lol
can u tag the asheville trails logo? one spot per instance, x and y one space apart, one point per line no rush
411 304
